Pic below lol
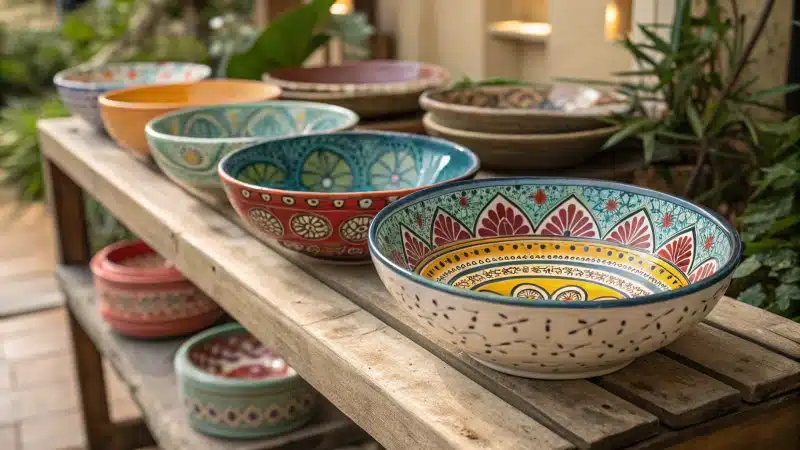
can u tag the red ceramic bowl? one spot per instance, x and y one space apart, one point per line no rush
142 295
318 193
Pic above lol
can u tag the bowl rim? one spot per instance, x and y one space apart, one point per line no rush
60 78
111 271
721 274
473 167
351 116
428 103
439 77
186 370
428 120
106 99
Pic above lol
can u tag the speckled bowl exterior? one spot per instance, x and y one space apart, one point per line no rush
126 112
80 87
317 194
540 108
188 144
148 301
225 392
550 277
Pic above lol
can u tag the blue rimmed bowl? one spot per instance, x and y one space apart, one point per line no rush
316 194
188 144
550 277
232 386
79 87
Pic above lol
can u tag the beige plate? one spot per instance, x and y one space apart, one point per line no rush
525 151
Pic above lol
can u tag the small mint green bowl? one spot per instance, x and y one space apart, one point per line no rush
188 144
233 387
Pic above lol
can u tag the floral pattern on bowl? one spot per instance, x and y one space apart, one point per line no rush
553 278
188 144
317 193
80 87
232 386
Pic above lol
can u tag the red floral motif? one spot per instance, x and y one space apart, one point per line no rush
132 74
415 248
463 201
570 218
539 197
679 250
502 218
666 222
397 258
611 205
705 270
446 229
635 231
709 242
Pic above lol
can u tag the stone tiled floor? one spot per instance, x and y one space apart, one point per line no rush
38 391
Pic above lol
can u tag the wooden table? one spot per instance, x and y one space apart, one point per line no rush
731 383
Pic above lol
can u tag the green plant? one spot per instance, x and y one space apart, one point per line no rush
28 60
769 277
688 98
467 82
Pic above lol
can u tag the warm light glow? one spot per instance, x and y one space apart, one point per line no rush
517 26
618 17
342 7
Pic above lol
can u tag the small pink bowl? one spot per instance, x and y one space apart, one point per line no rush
142 295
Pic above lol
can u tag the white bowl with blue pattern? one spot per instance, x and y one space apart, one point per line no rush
79 87
188 144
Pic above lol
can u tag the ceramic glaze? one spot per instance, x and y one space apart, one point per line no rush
189 144
139 294
553 278
79 87
318 193
232 386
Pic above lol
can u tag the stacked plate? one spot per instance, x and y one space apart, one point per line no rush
372 89
523 127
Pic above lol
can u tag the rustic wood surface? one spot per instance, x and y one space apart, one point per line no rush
146 368
401 394
210 248
757 325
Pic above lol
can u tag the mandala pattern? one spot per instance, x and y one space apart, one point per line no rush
192 156
570 218
266 222
679 250
394 170
502 218
530 291
355 229
325 171
263 174
635 231
311 226
446 229
204 125
570 294
414 248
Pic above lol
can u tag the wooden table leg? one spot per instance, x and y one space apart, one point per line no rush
67 206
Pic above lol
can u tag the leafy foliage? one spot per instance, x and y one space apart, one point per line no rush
28 61
467 82
769 277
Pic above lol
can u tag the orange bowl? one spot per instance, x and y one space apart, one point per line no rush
126 112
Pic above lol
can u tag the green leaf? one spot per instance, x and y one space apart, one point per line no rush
781 259
694 120
785 294
755 247
659 44
649 145
773 92
286 42
791 276
682 13
754 295
747 267
636 126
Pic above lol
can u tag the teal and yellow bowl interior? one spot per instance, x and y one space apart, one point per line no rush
530 239
349 162
188 144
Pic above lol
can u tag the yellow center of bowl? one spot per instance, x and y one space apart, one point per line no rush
551 268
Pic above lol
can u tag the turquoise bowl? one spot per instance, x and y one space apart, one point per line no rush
317 194
188 144
553 278
231 386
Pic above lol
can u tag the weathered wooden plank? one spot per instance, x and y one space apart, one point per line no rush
771 424
757 372
678 395
323 335
146 368
770 330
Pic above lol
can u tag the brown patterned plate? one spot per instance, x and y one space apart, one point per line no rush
541 108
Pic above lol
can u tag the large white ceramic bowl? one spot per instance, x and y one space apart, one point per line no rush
551 277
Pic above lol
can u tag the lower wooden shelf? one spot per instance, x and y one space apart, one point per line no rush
146 368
